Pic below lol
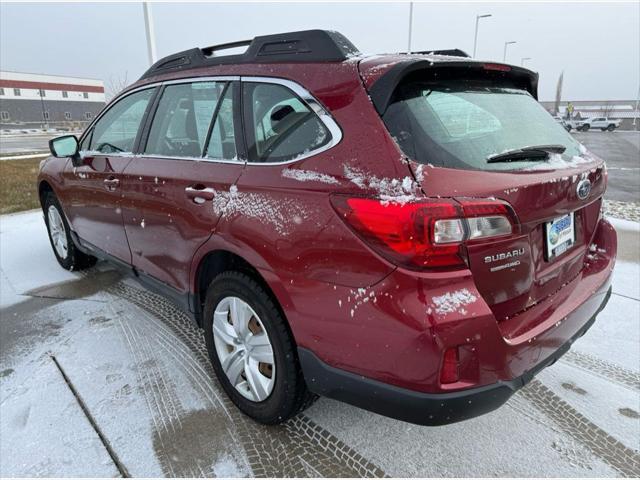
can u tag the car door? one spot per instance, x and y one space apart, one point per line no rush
94 193
189 151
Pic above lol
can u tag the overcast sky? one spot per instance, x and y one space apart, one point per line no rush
596 44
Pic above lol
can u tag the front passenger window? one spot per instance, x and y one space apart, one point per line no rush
117 129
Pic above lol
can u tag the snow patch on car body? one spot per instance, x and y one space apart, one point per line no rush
452 302
309 176
389 190
283 214
556 162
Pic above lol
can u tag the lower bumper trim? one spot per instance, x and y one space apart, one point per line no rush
417 407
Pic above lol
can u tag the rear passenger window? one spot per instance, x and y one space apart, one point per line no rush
222 142
280 126
181 123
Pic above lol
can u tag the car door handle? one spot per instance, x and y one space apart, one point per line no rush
199 193
111 183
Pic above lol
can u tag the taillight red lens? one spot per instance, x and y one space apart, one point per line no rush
422 234
402 232
449 372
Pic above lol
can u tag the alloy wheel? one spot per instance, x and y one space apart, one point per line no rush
57 232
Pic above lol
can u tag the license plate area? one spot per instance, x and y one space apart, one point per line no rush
560 235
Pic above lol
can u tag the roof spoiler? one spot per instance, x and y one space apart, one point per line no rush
303 46
381 92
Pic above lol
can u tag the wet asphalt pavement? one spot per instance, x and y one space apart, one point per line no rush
621 150
99 377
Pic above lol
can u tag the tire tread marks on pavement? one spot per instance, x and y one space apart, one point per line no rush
299 448
622 458
604 369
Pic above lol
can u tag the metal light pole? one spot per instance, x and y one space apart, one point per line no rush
149 31
475 38
45 121
506 44
524 59
410 25
636 112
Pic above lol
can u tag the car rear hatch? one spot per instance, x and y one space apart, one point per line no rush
473 132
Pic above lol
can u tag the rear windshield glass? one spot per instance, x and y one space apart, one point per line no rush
460 125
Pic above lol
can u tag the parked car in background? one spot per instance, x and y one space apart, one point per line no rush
411 234
603 123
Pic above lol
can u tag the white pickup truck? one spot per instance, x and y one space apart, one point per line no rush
603 123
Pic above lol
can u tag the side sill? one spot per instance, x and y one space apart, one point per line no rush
180 299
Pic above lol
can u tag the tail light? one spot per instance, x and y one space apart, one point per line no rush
424 234
496 66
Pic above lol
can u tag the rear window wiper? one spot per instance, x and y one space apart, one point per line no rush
526 153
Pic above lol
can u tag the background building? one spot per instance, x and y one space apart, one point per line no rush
30 101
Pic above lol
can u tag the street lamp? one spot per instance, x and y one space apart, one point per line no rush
506 44
475 40
524 59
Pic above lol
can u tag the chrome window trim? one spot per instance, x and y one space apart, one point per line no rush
98 117
325 117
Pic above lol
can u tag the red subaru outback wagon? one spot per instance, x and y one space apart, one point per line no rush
411 234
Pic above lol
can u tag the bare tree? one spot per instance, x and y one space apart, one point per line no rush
115 85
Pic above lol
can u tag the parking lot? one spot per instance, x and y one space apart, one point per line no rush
100 377
621 150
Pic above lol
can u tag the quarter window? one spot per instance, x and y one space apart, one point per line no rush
116 130
181 122
280 126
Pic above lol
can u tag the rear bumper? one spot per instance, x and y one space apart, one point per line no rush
417 407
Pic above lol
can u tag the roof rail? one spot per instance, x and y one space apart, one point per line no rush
303 46
452 52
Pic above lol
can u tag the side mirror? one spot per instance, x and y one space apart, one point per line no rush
65 146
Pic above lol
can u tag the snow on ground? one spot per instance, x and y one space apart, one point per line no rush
140 369
24 256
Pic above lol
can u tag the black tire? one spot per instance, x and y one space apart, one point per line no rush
603 129
611 128
585 128
74 258
290 394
